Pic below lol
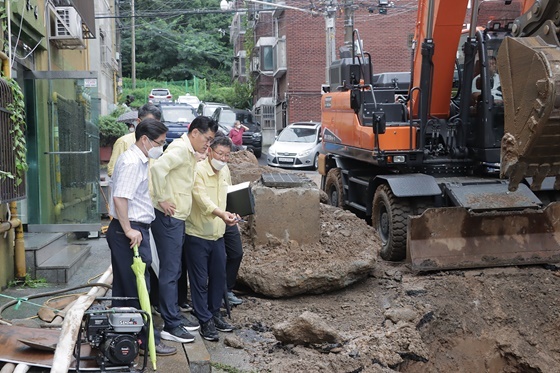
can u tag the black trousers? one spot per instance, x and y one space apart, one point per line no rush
169 234
234 254
124 279
206 267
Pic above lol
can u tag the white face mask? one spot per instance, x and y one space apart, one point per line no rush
217 164
155 152
131 129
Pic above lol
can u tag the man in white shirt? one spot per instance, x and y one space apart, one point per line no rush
133 212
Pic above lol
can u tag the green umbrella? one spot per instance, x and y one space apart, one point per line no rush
139 268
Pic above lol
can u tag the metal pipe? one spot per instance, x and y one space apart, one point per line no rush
70 326
474 18
61 206
7 225
8 70
19 245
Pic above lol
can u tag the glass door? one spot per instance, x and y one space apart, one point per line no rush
63 151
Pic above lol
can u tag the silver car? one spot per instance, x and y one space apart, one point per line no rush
297 146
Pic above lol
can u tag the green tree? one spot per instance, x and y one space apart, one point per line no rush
175 46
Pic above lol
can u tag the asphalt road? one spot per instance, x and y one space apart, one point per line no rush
311 174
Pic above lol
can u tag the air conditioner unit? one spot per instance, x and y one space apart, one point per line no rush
68 23
106 55
115 64
279 53
235 68
254 66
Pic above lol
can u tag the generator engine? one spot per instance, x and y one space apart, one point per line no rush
114 333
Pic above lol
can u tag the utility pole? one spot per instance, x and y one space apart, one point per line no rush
133 46
330 14
349 23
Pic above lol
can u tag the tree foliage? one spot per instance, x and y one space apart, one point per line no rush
175 46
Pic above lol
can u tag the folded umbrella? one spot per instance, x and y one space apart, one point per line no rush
139 268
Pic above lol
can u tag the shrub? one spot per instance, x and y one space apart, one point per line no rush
109 129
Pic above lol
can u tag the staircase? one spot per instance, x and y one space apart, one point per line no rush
54 256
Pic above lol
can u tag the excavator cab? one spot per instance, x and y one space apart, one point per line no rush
486 109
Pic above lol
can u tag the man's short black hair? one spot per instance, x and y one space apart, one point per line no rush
150 127
204 124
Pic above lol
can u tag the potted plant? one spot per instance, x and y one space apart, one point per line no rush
109 131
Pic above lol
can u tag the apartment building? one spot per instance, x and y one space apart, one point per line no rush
65 61
294 42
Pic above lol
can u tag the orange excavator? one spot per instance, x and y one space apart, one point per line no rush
460 168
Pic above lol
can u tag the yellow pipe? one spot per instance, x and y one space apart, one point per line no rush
19 247
9 224
61 206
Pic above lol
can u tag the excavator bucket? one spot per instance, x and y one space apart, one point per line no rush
529 69
453 238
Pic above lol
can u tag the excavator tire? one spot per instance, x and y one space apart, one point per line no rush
390 218
334 188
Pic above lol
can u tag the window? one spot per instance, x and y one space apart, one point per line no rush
267 58
267 116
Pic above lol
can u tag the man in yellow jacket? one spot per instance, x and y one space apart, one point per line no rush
124 142
205 249
172 177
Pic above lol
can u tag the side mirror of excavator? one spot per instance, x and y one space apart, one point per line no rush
379 122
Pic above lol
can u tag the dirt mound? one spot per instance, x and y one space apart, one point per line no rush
484 320
345 254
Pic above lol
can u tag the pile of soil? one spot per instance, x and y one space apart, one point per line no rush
481 320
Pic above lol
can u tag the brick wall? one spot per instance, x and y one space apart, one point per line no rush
384 36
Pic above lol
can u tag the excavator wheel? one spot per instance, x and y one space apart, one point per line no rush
334 188
390 218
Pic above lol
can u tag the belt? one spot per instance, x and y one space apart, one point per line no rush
141 225
137 223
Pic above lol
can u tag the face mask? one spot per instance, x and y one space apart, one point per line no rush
155 152
217 164
131 129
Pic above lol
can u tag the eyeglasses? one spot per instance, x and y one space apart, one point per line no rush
208 139
158 143
221 155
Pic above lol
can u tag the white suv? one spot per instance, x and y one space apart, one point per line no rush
159 95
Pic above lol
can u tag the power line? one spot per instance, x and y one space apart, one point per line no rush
175 13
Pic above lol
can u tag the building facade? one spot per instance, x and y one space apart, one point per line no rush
293 44
65 62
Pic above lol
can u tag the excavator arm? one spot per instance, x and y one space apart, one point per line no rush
529 67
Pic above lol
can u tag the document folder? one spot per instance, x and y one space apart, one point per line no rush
240 199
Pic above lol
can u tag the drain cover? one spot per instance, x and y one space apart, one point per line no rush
284 180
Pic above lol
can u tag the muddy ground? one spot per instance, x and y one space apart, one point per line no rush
481 320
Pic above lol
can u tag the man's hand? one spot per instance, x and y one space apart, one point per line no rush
229 218
168 208
135 237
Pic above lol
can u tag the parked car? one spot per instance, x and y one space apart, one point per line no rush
297 146
177 118
188 99
252 138
207 108
160 95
